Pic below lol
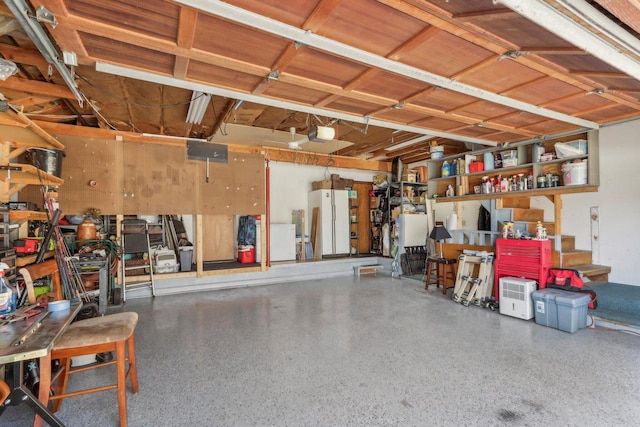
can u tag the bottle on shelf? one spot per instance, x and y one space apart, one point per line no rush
445 170
450 191
488 161
539 230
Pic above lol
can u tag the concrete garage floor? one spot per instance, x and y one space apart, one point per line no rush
369 351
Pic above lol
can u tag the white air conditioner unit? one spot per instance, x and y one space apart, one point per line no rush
515 297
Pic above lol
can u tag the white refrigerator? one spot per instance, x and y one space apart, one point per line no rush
333 220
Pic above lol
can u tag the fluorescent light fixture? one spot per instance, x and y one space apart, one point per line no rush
22 12
309 38
197 107
180 138
565 27
409 142
272 102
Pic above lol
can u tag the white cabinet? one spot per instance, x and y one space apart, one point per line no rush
282 238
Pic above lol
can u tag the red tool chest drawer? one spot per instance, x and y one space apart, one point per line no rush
529 259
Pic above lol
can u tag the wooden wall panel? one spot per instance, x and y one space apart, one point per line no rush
249 188
236 187
137 178
218 240
91 176
216 196
158 179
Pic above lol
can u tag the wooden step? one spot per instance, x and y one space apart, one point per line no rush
575 257
595 273
551 228
568 243
513 203
520 214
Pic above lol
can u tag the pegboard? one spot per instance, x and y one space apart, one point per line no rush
158 179
117 177
91 171
233 188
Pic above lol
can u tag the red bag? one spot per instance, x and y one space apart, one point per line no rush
569 279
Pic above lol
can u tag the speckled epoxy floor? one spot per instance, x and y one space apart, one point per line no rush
373 351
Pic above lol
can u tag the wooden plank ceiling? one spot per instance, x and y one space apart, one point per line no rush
370 69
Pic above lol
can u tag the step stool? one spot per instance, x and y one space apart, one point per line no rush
359 270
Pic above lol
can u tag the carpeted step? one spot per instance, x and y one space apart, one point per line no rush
618 302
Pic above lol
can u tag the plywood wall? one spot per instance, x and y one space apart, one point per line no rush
134 178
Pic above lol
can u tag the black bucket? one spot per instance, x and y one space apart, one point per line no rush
49 161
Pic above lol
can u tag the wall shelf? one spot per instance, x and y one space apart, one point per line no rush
12 181
19 135
464 183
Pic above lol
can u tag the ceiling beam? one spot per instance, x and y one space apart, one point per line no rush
481 37
186 35
37 87
566 27
278 103
244 17
24 15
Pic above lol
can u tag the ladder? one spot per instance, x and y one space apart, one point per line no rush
470 288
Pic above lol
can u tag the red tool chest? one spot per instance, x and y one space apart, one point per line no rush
529 259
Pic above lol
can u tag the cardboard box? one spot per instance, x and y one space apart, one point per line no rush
409 175
336 184
395 213
379 179
342 184
321 185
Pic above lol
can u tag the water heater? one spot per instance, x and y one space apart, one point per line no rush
515 297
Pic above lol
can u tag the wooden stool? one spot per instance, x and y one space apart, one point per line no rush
444 270
114 332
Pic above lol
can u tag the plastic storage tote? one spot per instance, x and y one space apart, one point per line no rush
559 309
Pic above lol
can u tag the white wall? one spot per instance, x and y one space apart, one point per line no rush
291 182
619 200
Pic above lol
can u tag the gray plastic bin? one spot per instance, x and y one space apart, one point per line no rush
559 309
572 311
186 258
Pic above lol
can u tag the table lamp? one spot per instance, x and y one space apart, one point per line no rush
439 233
